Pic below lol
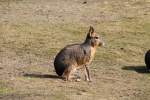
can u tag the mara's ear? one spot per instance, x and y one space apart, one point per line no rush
91 31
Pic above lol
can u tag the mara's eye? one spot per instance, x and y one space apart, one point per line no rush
96 37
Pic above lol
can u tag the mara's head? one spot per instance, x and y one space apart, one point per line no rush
93 38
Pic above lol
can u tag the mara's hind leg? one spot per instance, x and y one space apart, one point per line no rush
67 73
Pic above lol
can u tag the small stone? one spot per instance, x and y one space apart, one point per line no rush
121 48
85 2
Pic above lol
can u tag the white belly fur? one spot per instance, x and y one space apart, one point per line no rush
93 50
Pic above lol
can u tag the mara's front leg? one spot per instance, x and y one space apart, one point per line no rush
87 74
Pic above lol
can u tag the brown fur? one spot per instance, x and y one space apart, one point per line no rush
77 56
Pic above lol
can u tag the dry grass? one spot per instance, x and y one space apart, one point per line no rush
33 31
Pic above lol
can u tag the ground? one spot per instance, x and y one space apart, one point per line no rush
33 31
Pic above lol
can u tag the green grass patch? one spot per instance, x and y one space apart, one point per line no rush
4 88
146 27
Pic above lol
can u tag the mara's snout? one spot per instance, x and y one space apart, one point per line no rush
77 56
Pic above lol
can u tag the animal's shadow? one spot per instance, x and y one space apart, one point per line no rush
35 75
138 69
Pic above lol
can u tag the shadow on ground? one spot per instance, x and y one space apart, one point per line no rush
138 69
34 75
